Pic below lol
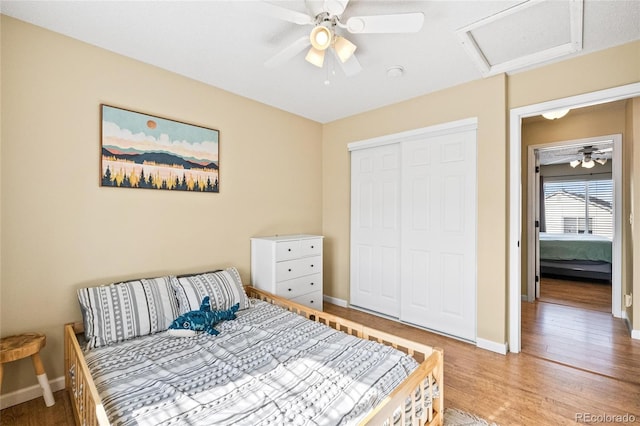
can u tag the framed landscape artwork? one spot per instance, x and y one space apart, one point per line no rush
145 151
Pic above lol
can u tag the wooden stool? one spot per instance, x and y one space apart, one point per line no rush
21 346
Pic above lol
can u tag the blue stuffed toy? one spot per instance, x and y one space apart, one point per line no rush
201 320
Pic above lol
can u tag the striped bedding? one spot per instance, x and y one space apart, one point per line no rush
268 367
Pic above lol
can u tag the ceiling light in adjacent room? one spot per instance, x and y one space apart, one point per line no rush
554 115
588 164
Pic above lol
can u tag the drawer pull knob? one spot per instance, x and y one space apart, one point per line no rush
312 301
312 266
289 269
311 246
311 283
289 289
289 250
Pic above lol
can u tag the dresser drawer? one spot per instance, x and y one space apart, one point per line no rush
312 300
291 269
311 247
286 250
299 286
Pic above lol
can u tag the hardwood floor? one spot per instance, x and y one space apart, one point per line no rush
523 389
592 295
572 319
512 389
35 413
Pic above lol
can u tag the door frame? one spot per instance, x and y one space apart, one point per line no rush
534 212
515 186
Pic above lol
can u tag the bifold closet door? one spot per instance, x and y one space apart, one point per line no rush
375 233
438 205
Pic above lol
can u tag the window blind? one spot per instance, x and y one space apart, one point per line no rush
579 207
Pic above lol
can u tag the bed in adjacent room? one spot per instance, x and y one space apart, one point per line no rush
576 256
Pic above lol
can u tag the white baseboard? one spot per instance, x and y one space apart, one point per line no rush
29 393
626 321
340 302
635 334
500 348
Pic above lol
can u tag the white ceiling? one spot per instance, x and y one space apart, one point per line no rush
225 44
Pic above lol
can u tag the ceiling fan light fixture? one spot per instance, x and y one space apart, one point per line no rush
588 164
601 161
315 57
344 48
321 37
574 163
554 115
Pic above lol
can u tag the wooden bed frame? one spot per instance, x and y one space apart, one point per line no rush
88 409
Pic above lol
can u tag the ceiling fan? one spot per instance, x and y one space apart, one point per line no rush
591 156
328 23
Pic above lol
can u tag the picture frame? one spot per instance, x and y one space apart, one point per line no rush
141 150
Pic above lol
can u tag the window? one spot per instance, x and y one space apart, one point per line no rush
578 207
576 225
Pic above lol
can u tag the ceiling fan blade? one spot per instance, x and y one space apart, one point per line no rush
288 52
335 7
350 67
560 160
399 23
268 9
603 150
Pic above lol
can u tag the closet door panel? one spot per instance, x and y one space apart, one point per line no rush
420 267
375 252
438 227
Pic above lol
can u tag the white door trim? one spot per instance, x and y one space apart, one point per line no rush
430 131
533 269
616 284
515 185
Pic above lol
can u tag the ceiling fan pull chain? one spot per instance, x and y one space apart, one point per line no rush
330 71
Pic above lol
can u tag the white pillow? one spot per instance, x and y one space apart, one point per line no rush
224 289
117 312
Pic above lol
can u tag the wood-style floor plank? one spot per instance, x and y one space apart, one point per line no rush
594 295
516 389
513 389
36 413
573 325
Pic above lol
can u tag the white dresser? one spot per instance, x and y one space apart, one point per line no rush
289 266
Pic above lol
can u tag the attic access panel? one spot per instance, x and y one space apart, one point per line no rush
524 35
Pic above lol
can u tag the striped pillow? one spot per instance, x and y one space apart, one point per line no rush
117 312
224 289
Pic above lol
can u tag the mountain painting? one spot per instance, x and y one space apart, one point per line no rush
145 151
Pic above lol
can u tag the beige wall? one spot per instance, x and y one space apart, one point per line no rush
634 312
601 120
61 230
628 201
609 68
484 99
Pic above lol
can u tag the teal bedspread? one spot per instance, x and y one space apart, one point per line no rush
575 247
